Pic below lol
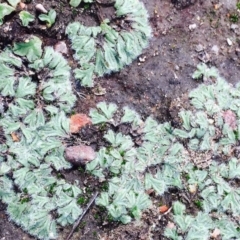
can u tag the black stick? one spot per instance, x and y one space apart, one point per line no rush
82 215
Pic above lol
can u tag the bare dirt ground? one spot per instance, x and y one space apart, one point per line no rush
185 33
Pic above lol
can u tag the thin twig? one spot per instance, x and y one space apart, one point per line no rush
80 95
99 13
82 215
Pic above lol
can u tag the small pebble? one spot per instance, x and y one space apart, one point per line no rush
229 41
170 225
211 121
192 26
234 26
164 32
61 47
22 5
142 59
192 188
41 8
199 48
177 68
215 49
79 155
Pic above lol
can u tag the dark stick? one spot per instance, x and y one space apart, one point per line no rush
82 215
99 13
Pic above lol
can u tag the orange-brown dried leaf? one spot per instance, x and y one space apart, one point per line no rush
15 137
163 208
77 121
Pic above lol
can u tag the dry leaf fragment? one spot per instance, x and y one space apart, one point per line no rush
99 90
78 121
215 233
163 208
14 136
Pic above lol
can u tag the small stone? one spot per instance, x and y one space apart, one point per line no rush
164 32
211 121
199 48
229 41
80 154
41 8
192 26
192 188
177 68
142 59
217 6
170 225
234 26
61 47
215 49
22 5
77 121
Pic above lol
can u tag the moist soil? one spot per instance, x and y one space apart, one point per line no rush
185 33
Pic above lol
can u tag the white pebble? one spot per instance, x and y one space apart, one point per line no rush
41 8
229 41
215 49
192 26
